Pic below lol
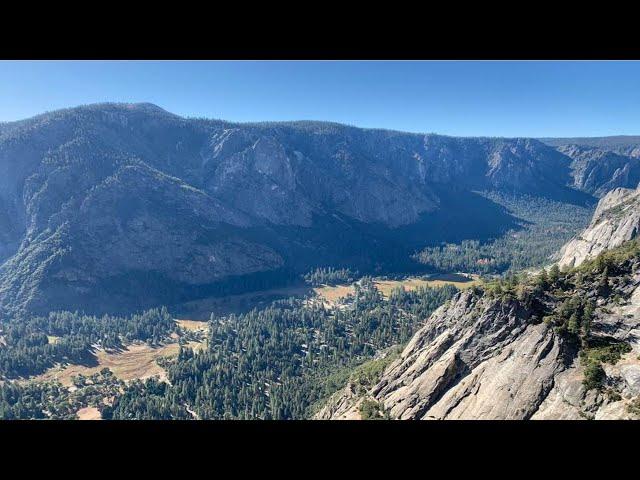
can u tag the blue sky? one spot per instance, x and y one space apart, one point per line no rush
456 98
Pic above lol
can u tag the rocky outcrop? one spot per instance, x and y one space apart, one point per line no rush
491 355
483 358
615 221
598 171
343 405
477 358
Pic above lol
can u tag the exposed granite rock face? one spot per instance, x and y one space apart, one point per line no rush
476 358
481 358
615 221
485 356
344 405
598 171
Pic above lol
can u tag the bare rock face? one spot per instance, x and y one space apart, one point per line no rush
616 220
597 171
344 405
479 358
494 356
476 358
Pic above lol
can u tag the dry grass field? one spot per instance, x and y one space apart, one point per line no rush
89 413
413 283
195 325
331 294
135 362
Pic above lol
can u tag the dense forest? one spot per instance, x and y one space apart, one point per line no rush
30 345
546 225
273 363
330 276
50 400
278 362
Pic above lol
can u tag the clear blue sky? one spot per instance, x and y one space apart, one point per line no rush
456 98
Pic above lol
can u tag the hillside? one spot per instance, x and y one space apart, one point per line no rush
126 206
628 143
557 345
615 221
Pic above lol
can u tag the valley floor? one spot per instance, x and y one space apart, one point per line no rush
201 310
136 361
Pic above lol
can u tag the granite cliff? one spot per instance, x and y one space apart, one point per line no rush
558 345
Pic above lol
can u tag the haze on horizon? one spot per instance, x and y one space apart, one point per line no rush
460 98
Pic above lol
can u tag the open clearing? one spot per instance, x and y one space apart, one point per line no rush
413 283
331 294
89 413
135 362
194 325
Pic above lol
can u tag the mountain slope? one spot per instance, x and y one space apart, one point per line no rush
600 164
615 221
126 206
554 346
622 144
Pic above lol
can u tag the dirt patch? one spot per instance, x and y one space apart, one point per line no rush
332 294
89 413
413 283
194 325
135 362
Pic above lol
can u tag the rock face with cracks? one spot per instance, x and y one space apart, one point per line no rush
489 356
616 220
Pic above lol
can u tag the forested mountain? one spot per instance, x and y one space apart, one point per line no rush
114 208
120 207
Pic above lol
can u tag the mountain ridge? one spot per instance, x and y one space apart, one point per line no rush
623 140
251 198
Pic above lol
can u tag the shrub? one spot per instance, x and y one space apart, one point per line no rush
594 375
371 410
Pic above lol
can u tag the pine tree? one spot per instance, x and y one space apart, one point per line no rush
542 280
554 274
574 324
